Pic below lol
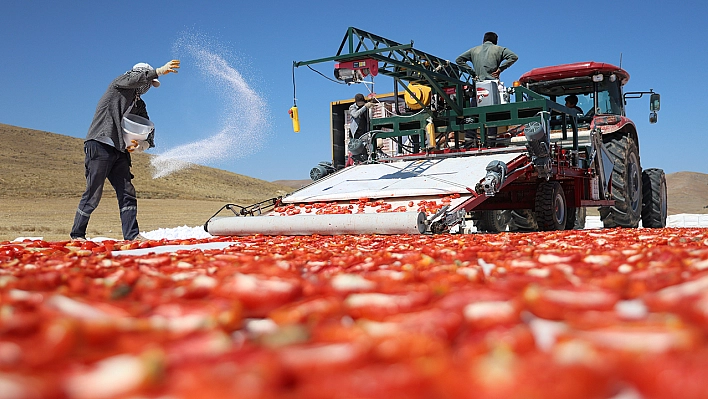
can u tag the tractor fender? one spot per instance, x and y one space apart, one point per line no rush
609 124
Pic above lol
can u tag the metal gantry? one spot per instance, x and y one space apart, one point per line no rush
403 63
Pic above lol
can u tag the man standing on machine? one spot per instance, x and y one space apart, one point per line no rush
488 60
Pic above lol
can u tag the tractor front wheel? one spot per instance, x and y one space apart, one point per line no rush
551 207
626 183
654 201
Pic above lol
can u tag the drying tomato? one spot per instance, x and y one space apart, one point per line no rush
310 310
260 294
444 316
376 306
556 303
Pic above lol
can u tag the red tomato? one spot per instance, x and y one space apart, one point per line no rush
555 303
310 310
666 376
260 294
375 306
394 381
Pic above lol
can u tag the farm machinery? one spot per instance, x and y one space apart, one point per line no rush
445 151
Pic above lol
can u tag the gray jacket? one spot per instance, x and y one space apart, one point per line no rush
360 120
485 59
120 95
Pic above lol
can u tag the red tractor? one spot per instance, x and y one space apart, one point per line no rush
596 91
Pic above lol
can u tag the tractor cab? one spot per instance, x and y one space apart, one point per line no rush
597 86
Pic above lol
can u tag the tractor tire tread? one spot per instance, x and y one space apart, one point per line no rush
545 206
653 198
621 214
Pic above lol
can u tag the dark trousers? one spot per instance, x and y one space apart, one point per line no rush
103 161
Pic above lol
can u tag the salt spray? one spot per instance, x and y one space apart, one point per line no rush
242 131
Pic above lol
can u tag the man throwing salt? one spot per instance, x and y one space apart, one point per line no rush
107 153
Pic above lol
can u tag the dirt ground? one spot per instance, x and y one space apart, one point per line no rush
52 218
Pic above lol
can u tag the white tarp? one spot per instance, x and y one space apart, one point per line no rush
401 179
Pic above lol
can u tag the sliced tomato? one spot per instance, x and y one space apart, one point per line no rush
669 375
306 360
377 306
395 381
260 294
310 310
248 374
655 334
555 303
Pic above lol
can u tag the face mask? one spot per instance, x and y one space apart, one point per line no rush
143 89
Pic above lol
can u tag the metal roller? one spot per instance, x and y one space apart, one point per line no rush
366 223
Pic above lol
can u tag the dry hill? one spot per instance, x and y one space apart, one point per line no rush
293 183
36 164
688 192
42 179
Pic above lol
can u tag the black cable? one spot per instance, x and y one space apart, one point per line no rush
325 76
294 96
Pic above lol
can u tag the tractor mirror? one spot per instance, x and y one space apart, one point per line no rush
654 102
653 117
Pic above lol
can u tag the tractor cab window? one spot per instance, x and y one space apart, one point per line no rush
609 98
584 101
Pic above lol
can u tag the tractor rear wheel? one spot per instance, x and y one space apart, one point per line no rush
522 221
551 207
654 202
491 221
576 218
626 183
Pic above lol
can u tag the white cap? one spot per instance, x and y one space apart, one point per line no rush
145 66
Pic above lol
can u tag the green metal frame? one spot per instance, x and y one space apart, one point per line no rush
404 63
525 108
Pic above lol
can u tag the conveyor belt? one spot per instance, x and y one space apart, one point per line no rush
400 184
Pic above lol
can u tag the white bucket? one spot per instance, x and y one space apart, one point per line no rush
136 127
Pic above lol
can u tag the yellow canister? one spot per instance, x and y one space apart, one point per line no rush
296 119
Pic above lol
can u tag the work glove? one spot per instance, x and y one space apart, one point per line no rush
137 147
369 105
171 66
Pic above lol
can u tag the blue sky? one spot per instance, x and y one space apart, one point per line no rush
58 58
